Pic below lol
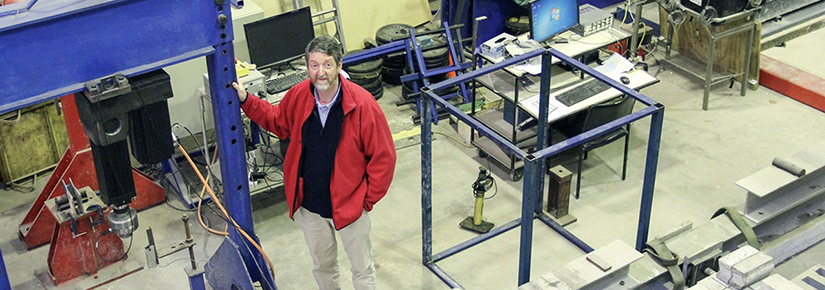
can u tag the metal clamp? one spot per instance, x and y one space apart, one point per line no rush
107 87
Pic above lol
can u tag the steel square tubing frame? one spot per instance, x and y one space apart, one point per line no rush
56 46
534 164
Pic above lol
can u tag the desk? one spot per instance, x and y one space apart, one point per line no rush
525 137
576 45
500 84
638 80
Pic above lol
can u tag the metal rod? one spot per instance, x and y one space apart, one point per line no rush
476 240
601 77
709 70
319 13
189 239
651 164
446 278
634 39
598 131
547 220
746 69
486 70
483 130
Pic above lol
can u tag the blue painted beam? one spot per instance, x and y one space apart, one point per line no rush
483 130
446 278
565 233
476 240
56 46
486 70
651 165
601 77
426 181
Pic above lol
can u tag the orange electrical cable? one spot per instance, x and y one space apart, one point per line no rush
240 230
203 190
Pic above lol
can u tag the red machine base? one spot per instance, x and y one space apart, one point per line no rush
77 164
72 256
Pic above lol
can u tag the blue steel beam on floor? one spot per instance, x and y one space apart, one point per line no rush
547 220
56 46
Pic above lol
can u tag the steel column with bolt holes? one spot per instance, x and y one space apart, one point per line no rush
534 164
54 47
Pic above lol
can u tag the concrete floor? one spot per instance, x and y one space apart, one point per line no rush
702 154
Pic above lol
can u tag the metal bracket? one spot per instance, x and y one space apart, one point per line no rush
107 87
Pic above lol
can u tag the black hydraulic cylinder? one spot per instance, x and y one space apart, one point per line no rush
114 173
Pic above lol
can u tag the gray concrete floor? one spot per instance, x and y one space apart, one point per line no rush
702 154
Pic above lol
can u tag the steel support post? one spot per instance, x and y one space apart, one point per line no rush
531 178
229 131
654 139
544 133
747 67
426 181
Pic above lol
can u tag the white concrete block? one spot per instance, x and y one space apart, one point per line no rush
727 262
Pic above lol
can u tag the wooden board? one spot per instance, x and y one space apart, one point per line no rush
32 143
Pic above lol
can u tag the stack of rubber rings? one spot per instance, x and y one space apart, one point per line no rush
367 74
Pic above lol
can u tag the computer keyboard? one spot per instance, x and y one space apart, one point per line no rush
284 82
581 92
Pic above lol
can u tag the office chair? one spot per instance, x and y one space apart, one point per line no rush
601 114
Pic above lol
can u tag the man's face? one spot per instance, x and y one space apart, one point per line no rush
323 71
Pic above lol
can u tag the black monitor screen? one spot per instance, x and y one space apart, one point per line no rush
551 17
280 38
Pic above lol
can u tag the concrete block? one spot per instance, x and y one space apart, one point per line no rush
726 263
776 282
751 270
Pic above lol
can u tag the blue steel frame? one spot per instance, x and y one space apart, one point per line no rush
534 164
56 46
424 74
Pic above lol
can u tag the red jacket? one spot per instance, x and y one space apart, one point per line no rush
364 159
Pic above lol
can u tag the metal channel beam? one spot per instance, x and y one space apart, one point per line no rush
56 46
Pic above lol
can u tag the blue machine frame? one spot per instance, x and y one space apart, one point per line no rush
534 163
52 48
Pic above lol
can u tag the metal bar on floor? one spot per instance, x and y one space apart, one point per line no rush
547 220
476 240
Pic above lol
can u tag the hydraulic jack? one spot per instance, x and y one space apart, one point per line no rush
482 184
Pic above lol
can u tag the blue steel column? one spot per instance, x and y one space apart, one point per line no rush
229 132
426 180
543 134
531 177
651 163
4 276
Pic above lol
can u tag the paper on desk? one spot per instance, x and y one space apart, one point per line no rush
615 65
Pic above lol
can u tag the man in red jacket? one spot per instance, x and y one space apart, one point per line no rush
339 163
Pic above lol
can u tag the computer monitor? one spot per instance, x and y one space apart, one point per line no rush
548 18
279 39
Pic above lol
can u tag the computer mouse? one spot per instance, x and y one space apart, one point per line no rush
625 80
